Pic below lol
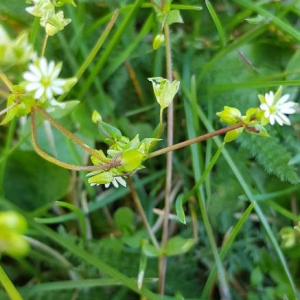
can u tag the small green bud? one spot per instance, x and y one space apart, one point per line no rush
158 41
96 117
131 160
102 178
16 245
230 115
288 236
164 90
12 221
233 134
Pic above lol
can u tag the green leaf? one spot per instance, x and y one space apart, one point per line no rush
174 17
124 218
31 182
150 251
110 131
256 277
179 208
61 109
178 245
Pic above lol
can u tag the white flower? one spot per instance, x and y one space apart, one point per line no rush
42 79
276 107
116 181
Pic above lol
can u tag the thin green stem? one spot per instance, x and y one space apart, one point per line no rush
70 135
169 167
59 163
44 45
141 211
9 286
7 109
194 140
6 81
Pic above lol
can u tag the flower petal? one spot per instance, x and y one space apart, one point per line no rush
30 76
271 119
269 98
283 99
121 180
278 120
43 66
284 118
35 71
39 93
32 86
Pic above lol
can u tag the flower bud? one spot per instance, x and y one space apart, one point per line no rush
230 115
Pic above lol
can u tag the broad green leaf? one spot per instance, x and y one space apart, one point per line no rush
31 182
178 245
124 218
61 109
174 17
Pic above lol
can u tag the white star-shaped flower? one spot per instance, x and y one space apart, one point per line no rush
116 181
276 107
42 79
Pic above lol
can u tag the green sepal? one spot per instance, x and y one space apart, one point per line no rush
149 143
131 160
102 178
232 135
230 115
96 161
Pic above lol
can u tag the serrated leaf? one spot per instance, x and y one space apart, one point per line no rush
271 155
179 208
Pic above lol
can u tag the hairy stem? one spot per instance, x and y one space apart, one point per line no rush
169 167
69 134
59 163
194 140
141 211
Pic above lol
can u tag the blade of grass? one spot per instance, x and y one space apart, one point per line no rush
9 286
225 249
94 51
108 51
274 19
190 115
75 284
120 59
217 22
249 194
84 255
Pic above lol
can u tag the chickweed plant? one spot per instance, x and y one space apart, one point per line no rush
108 118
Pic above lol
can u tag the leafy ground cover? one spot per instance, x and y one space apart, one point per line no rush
220 220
